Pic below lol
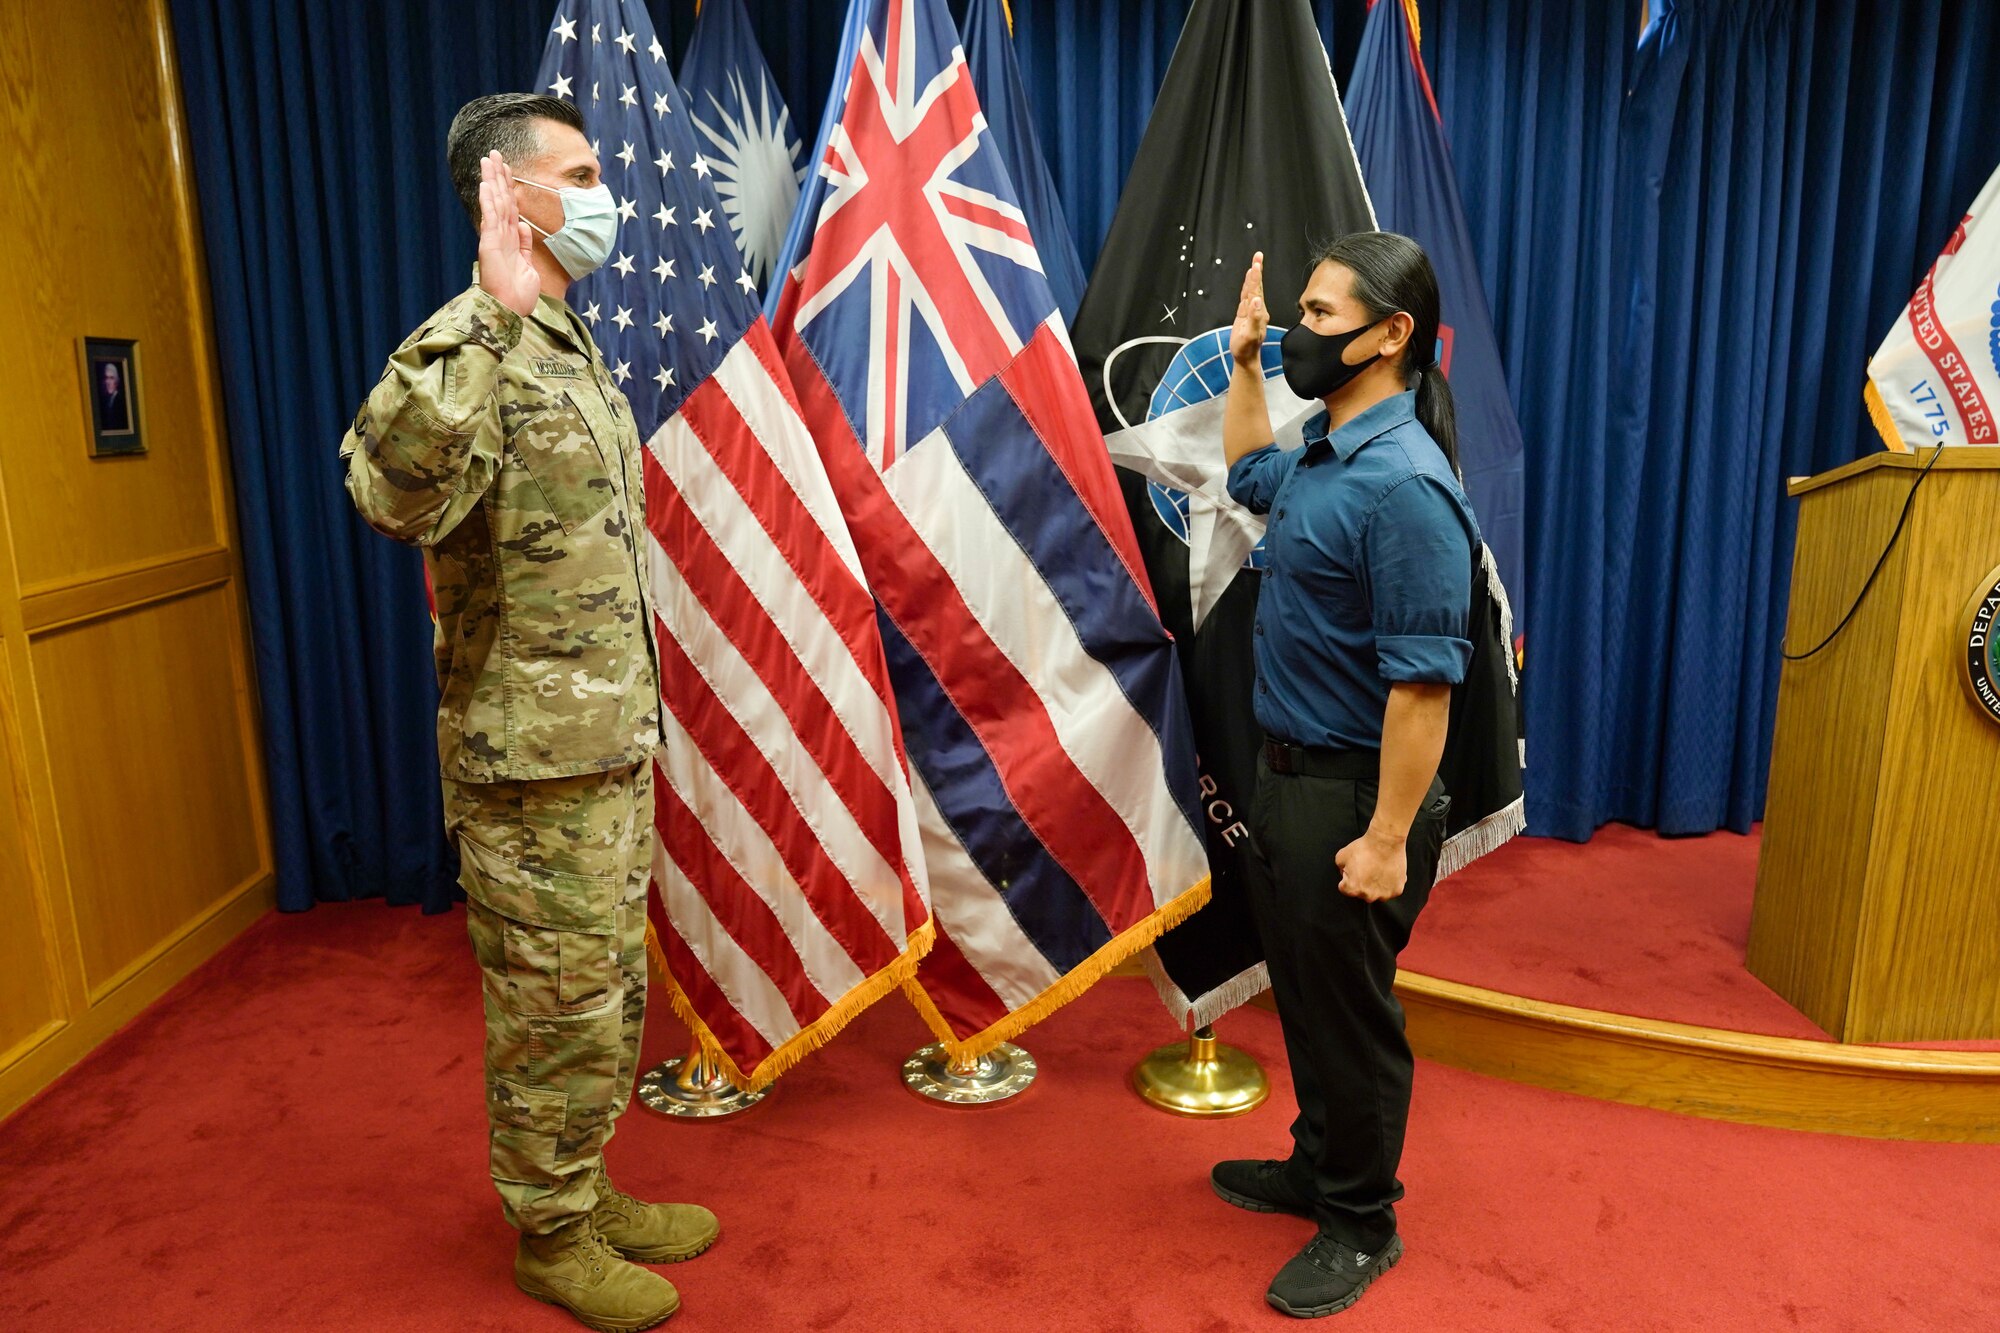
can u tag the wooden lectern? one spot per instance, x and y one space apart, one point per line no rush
1878 886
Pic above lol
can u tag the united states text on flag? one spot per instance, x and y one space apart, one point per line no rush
1936 377
1041 703
789 879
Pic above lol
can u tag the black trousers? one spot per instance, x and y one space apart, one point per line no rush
1332 961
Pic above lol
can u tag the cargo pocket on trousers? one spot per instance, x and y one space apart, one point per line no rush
557 972
527 1123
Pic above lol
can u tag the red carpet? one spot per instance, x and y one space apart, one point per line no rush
1629 922
292 1140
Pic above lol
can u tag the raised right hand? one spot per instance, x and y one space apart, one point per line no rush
1246 335
506 243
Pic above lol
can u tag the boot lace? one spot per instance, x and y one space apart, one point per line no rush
609 1195
592 1249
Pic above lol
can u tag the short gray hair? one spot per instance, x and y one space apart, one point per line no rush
505 121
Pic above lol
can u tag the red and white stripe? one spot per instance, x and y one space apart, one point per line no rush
790 862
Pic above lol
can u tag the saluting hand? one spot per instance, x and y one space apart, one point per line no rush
506 245
1246 335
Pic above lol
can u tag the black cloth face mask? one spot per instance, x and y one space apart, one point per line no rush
1313 367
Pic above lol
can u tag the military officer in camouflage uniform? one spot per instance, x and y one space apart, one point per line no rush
498 443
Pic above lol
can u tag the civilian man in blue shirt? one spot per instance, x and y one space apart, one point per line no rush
1360 636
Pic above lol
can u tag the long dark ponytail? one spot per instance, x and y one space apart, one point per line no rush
1392 273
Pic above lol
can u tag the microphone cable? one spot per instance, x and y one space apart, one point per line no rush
1937 452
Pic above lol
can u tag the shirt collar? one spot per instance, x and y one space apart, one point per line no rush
1377 420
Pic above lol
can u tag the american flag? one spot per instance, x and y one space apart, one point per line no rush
789 881
1039 695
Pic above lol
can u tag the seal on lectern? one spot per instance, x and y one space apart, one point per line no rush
1977 648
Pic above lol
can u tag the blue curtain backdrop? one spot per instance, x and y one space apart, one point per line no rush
1688 281
1685 283
317 131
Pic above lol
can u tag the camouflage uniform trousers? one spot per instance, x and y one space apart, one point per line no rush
556 872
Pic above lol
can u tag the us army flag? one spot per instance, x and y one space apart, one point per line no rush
1936 377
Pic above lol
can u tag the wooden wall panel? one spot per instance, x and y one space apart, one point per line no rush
89 211
29 996
137 842
158 739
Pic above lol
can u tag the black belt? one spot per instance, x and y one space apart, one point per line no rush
1314 761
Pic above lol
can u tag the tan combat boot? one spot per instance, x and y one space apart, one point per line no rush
651 1233
576 1268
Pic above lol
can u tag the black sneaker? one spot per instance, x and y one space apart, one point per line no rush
1262 1187
1329 1275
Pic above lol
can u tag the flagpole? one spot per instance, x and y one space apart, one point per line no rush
694 1088
1202 1078
980 1080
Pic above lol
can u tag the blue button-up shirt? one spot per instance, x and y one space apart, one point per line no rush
1368 578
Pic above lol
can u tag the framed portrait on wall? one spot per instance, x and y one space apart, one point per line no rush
112 396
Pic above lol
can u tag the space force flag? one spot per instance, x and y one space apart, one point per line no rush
1246 150
1040 699
745 130
1936 378
1248 143
1407 164
789 880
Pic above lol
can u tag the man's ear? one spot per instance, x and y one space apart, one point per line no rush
1397 336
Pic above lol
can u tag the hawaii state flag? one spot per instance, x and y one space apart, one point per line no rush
789 878
1040 697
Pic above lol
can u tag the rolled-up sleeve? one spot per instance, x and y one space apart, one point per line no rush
1416 560
1254 478
427 442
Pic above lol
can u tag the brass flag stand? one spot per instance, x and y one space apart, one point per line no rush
694 1088
1201 1077
1001 1073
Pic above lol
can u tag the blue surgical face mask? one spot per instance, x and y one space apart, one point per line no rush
590 225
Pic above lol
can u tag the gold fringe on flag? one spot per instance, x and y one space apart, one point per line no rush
1073 983
1416 31
1878 412
823 1029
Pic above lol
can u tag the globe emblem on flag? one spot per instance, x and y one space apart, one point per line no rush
1198 372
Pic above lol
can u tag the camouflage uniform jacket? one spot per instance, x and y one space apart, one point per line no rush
501 447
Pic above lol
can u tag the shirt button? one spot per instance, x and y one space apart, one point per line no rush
1260 628
1281 513
1262 688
